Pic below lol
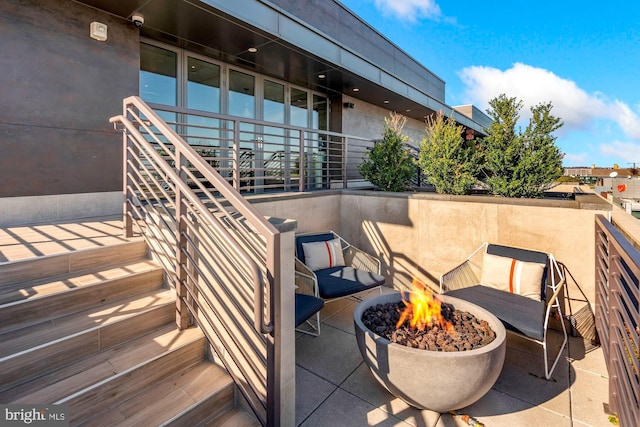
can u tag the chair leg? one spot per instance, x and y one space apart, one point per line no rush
315 329
548 372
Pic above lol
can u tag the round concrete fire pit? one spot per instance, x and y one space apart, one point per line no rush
435 380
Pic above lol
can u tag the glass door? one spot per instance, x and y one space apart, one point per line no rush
321 144
242 103
275 151
159 78
204 133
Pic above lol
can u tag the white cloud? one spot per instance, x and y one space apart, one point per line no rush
577 108
622 150
410 10
628 119
580 159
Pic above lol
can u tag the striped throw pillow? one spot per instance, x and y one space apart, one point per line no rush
319 255
511 275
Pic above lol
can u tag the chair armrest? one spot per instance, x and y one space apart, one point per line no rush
305 279
550 301
356 258
460 277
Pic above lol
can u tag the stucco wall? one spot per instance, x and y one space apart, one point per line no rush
58 88
367 121
311 211
425 235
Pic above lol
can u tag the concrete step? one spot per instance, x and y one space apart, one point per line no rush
197 393
28 290
32 351
39 267
65 295
145 377
235 417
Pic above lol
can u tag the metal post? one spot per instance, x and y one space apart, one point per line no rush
281 379
182 312
236 155
344 162
301 162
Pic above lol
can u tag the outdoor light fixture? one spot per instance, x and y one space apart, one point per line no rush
386 101
98 31
321 76
355 89
252 49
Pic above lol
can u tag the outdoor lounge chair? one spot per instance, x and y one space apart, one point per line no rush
328 267
513 286
306 307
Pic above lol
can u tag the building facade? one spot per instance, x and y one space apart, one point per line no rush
310 63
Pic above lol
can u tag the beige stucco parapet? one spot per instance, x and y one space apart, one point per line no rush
424 234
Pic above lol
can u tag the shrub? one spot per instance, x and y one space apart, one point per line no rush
446 158
388 164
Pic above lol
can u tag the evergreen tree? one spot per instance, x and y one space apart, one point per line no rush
388 164
521 164
446 158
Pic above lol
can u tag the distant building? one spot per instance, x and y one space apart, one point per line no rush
577 171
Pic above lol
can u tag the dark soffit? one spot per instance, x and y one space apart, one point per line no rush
201 28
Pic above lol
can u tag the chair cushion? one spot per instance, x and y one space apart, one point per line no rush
517 313
338 282
514 276
526 255
306 306
321 237
319 255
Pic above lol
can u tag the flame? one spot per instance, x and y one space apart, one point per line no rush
423 309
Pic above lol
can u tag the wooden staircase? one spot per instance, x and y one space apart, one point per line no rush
95 329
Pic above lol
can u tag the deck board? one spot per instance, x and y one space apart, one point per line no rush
28 241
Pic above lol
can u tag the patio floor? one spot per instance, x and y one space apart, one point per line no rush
335 388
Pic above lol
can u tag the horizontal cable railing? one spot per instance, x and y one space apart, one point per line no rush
215 247
618 319
256 156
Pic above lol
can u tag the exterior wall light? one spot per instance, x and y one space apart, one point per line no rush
98 31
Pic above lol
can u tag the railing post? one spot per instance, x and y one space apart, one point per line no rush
344 162
236 154
301 162
127 158
182 311
281 359
126 185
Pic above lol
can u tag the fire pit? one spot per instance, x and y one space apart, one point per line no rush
437 380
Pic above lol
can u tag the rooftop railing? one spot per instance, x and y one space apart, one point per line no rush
618 318
256 156
218 251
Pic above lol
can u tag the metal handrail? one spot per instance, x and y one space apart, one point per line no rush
159 198
618 318
263 226
319 156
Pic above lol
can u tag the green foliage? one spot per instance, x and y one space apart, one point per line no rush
446 158
569 179
388 164
520 164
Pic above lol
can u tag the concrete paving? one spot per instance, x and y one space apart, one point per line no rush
335 388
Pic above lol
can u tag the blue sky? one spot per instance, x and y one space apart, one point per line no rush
583 56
